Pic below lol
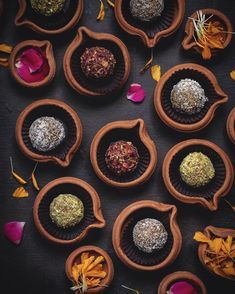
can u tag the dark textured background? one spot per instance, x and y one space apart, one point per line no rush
37 266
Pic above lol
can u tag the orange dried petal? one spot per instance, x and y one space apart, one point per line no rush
200 237
97 261
101 14
232 74
20 193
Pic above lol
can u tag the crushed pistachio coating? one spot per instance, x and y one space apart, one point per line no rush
47 7
196 169
66 210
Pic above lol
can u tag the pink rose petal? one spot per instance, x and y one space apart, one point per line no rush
136 93
182 288
14 231
33 58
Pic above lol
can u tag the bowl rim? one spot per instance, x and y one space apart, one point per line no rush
231 125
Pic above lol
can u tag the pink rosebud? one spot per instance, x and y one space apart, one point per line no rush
14 231
182 288
136 93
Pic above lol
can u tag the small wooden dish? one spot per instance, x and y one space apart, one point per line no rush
50 25
151 33
184 122
46 47
189 41
74 257
124 246
231 125
181 276
209 195
64 153
215 232
85 38
93 217
130 130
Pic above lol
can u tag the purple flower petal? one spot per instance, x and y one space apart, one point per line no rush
136 93
14 231
182 287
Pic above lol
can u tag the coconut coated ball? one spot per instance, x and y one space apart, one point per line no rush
146 10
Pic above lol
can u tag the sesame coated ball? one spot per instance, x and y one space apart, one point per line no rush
48 7
146 10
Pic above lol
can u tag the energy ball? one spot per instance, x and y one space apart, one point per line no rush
188 97
46 133
146 10
149 235
98 63
48 7
122 157
66 210
196 169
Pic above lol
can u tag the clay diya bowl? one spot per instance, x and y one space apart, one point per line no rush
172 278
75 257
93 217
130 130
213 232
184 122
189 41
46 48
231 125
72 63
150 33
123 243
209 195
50 25
63 154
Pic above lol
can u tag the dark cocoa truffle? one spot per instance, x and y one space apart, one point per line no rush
98 62
122 157
146 10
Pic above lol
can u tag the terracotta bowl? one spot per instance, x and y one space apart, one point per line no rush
130 130
211 231
231 125
46 47
150 33
64 153
85 38
93 217
184 122
181 276
75 257
51 25
209 195
189 41
123 243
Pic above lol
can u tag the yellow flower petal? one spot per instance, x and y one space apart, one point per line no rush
232 74
101 14
110 3
156 72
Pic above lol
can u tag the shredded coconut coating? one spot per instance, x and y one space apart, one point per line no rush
48 7
146 10
149 235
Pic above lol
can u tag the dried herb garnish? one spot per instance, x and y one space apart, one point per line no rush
148 64
16 176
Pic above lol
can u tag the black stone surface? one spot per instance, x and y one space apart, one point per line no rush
37 266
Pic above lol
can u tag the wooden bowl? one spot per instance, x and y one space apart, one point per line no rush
130 130
209 195
189 41
64 153
52 25
93 217
181 276
46 47
183 122
215 232
85 38
231 125
74 257
124 246
151 33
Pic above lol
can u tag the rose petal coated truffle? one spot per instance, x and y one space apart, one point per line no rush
98 62
188 97
122 157
149 235
48 7
46 133
196 169
66 210
146 10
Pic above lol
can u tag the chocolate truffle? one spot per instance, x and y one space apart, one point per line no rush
66 210
46 133
48 7
98 63
149 235
188 97
196 169
146 10
122 157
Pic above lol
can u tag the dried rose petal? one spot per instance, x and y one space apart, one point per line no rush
182 288
136 93
14 231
